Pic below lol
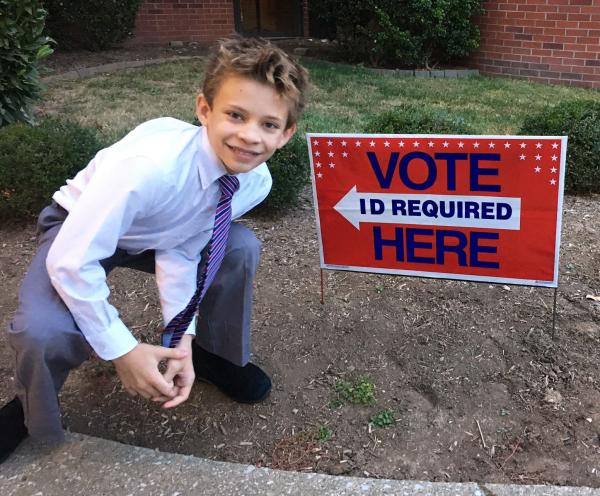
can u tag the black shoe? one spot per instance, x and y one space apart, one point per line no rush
12 428
248 384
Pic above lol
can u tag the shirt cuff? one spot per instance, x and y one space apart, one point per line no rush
192 328
114 342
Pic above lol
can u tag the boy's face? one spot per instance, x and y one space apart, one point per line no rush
245 124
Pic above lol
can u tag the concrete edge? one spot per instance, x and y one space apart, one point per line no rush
132 64
420 73
89 465
114 66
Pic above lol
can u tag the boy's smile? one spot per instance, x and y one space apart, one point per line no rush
246 123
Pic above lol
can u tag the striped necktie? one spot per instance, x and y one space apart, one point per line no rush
215 253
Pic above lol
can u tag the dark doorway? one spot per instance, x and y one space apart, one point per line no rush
269 18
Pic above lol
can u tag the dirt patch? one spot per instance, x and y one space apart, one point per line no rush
476 387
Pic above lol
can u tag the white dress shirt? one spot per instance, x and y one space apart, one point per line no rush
156 189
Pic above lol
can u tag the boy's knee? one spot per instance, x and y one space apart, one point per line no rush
35 332
242 239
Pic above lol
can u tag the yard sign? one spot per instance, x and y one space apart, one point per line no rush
477 208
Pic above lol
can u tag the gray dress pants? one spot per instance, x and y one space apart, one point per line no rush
48 343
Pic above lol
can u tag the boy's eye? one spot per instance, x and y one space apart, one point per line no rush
234 115
271 125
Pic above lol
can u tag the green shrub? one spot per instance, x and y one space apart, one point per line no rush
21 46
403 33
290 170
36 160
409 119
90 24
580 121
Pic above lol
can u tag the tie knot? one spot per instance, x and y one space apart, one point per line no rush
229 184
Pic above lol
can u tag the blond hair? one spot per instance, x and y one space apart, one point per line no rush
260 60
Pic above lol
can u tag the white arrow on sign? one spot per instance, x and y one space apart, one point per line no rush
489 212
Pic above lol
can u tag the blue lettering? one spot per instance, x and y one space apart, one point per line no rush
379 243
475 171
475 249
412 245
377 206
431 170
384 181
441 248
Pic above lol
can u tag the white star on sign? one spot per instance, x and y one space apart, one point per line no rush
537 169
386 144
523 145
430 144
401 144
372 143
553 170
553 181
317 154
331 165
476 145
554 157
555 145
446 144
492 145
344 143
357 143
538 157
319 175
507 145
416 144
330 154
538 145
329 143
318 164
344 154
522 157
461 144
315 142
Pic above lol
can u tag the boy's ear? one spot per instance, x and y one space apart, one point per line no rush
202 109
287 135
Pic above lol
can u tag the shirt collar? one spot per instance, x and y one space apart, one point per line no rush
210 167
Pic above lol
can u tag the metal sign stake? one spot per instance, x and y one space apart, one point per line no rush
554 314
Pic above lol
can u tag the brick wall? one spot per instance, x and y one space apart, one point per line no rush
553 41
161 21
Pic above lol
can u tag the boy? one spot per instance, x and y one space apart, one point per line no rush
160 200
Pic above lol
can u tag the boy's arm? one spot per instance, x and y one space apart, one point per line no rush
113 197
111 200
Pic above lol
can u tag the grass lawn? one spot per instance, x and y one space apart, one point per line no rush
343 98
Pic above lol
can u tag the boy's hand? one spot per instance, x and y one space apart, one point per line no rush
139 374
180 372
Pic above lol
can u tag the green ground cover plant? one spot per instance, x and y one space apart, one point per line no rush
385 418
358 391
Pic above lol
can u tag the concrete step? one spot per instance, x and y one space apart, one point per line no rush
86 465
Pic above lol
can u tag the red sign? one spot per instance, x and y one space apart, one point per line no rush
479 208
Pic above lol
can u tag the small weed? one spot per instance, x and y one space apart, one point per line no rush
358 392
382 419
324 434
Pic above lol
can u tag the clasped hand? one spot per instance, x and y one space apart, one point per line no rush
139 372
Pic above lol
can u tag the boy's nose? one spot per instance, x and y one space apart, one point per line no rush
249 133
